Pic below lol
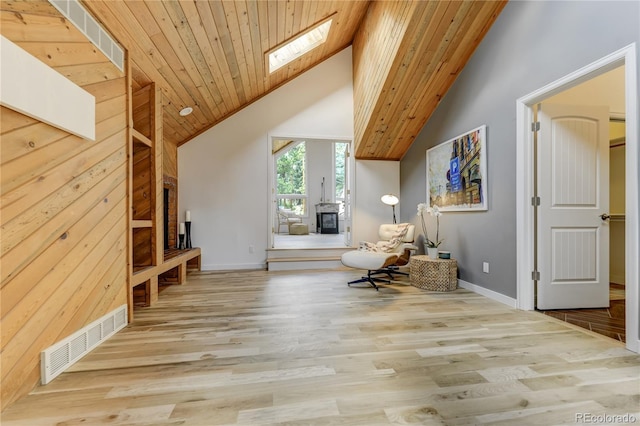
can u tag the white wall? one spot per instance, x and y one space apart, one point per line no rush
374 179
223 173
319 165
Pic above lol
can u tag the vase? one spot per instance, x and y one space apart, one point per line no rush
188 234
432 252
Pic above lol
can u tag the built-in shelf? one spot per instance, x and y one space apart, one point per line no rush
139 137
181 260
141 223
137 270
145 162
151 268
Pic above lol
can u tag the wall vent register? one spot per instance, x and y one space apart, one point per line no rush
59 357
82 19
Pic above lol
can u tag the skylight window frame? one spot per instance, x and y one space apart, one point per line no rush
295 38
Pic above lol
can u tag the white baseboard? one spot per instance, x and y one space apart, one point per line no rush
493 295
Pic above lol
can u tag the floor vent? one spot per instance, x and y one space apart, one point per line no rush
57 358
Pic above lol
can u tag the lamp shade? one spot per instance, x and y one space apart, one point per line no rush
389 199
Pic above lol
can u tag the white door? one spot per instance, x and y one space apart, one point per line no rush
347 195
573 186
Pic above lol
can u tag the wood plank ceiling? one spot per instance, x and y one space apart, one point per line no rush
211 55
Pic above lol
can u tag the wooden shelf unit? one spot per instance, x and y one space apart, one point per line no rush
141 224
140 138
151 267
147 282
145 168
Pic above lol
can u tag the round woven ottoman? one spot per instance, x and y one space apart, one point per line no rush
433 274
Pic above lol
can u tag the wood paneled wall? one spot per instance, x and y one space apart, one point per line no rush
170 180
170 160
64 202
374 50
406 56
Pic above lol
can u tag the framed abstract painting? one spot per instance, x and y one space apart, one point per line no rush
457 172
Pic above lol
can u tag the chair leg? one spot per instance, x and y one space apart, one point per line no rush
390 270
370 279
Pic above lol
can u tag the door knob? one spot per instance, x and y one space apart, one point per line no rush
605 216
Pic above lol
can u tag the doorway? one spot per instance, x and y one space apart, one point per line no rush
526 242
310 193
605 317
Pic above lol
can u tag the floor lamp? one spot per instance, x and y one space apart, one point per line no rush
391 200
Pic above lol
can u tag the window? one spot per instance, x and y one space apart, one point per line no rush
339 159
291 179
299 46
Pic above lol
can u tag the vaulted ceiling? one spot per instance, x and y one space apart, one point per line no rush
211 55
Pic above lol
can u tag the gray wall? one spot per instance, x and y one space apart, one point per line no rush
531 44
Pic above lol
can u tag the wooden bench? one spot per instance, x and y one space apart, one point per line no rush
147 281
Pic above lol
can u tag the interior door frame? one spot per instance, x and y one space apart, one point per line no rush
525 183
271 180
348 208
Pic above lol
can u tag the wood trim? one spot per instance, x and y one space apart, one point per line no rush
129 112
141 223
139 137
143 274
158 148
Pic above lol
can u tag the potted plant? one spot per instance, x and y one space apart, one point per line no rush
430 246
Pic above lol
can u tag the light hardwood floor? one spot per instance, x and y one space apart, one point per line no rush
301 347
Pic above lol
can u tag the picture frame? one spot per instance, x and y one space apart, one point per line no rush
457 172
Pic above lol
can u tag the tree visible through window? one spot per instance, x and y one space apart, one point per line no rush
339 159
291 182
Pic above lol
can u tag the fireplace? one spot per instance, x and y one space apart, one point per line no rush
170 206
166 211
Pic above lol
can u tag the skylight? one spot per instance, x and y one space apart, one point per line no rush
299 46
